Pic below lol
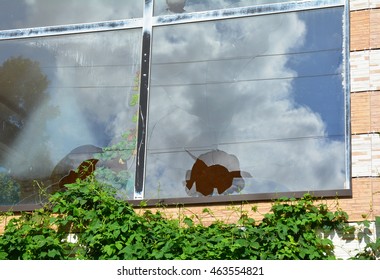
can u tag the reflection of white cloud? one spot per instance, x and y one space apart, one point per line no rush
91 83
247 118
99 80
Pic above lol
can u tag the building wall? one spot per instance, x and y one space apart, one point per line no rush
365 128
365 108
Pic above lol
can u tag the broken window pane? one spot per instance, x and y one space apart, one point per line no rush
258 101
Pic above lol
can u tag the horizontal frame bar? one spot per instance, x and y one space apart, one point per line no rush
70 29
244 198
266 9
167 19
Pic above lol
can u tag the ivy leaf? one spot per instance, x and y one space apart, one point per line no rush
134 100
109 250
119 245
53 253
189 222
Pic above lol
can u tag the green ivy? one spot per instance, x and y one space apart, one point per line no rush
122 152
107 228
9 189
372 248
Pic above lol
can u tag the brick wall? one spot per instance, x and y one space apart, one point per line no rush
3 221
365 109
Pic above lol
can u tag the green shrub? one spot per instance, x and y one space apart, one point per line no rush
107 228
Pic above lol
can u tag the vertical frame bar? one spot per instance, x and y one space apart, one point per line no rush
144 100
347 88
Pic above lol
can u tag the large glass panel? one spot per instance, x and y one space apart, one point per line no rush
163 7
252 105
65 100
35 13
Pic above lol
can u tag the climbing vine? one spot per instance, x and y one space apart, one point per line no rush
87 222
123 152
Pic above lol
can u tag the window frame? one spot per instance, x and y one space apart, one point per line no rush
275 8
147 23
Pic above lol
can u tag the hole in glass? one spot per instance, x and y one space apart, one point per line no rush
215 170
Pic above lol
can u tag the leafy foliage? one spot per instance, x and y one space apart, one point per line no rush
296 225
9 189
372 247
107 228
370 252
123 152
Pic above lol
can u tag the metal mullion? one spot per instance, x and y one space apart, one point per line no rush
144 100
347 94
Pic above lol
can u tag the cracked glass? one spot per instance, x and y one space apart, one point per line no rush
252 105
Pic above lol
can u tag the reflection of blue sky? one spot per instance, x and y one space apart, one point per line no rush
322 94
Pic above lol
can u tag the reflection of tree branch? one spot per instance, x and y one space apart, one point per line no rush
24 113
14 108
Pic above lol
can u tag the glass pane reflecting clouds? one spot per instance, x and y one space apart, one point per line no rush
65 100
163 7
36 13
258 101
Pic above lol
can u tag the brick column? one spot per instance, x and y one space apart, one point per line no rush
365 108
